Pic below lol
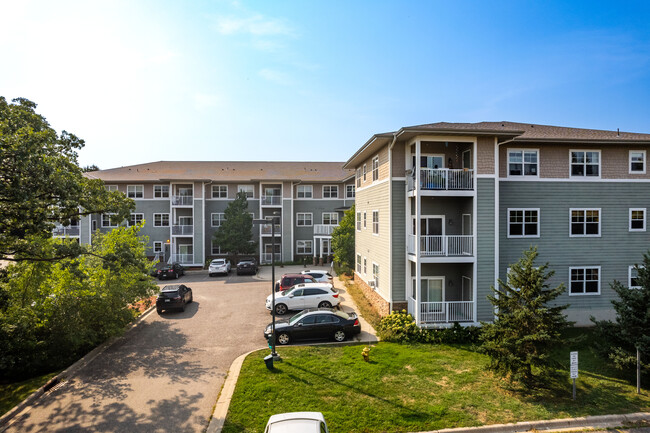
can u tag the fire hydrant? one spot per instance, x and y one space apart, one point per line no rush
366 353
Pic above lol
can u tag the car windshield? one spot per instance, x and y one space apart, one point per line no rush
218 262
297 317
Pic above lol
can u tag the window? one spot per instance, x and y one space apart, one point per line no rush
523 223
358 178
136 218
215 249
585 222
349 191
359 263
157 247
161 220
358 221
584 281
585 163
375 222
305 191
108 220
375 275
633 278
364 219
637 220
303 247
637 161
161 191
365 268
330 218
248 189
220 191
217 219
522 163
110 187
135 191
364 171
304 219
375 168
330 191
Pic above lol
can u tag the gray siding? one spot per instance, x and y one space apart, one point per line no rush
485 246
199 229
398 241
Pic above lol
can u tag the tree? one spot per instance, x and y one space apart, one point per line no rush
88 168
236 232
526 327
343 241
619 340
41 184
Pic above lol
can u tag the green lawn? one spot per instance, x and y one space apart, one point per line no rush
413 388
13 393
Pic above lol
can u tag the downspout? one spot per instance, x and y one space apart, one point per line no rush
205 247
390 221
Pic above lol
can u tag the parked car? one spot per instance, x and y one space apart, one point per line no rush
247 266
293 422
286 281
317 323
219 266
320 276
302 296
174 270
174 296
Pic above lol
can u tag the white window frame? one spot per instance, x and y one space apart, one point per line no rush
365 266
636 209
111 187
359 264
585 176
523 164
600 220
335 216
157 247
630 269
358 221
375 275
161 220
138 216
304 215
159 191
135 189
375 223
643 152
221 219
248 189
110 220
215 250
375 168
350 191
358 178
584 268
523 223
307 191
365 171
217 191
304 247
364 220
332 188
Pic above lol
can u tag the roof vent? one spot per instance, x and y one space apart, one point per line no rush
618 132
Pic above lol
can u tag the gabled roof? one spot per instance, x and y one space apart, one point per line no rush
510 131
226 171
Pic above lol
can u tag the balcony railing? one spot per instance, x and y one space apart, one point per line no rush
271 200
267 229
182 200
182 230
444 246
66 231
183 259
446 312
444 179
324 229
268 257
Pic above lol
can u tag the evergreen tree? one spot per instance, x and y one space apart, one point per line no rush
236 232
619 340
343 241
526 327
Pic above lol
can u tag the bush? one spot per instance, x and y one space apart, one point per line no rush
400 327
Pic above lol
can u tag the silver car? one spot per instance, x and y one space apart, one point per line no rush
219 266
297 422
303 296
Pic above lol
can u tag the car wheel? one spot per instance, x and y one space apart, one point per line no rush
183 307
324 304
191 298
283 338
339 336
159 310
280 309
176 275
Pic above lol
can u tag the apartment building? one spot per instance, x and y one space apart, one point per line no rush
183 204
443 209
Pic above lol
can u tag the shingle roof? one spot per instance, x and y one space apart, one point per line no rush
236 171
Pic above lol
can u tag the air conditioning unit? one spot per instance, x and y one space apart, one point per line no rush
371 283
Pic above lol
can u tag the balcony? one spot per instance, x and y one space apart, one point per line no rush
442 246
444 179
182 200
271 200
182 230
268 257
183 259
267 229
324 229
60 230
444 312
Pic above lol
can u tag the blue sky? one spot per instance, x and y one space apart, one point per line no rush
149 80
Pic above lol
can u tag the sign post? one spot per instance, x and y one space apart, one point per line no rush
574 371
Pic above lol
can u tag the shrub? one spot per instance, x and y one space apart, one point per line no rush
400 327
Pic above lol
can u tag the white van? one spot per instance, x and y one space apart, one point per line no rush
297 422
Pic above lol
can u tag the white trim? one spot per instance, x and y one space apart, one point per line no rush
600 277
376 286
311 215
364 225
600 163
220 219
398 178
162 249
135 185
379 182
375 170
110 223
523 223
219 186
632 209
239 188
629 277
522 175
600 219
330 186
429 278
311 247
578 179
497 234
169 191
304 198
425 217
373 222
128 222
169 220
629 162
486 176
365 171
354 191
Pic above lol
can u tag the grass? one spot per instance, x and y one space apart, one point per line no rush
415 388
366 309
13 393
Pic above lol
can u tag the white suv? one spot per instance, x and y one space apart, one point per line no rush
302 296
320 276
219 266
303 422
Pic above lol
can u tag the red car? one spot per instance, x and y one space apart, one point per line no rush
289 280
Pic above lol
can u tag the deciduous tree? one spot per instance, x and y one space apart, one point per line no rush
235 235
343 241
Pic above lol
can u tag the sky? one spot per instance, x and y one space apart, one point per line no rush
312 80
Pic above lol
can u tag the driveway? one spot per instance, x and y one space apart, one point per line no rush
165 374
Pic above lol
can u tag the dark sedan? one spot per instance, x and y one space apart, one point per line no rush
247 266
319 323
174 270
175 296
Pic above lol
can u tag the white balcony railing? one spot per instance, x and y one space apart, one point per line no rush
183 259
324 229
454 245
444 179
182 200
182 230
267 229
271 200
66 231
446 312
268 257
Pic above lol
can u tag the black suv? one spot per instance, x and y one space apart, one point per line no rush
173 296
247 266
174 270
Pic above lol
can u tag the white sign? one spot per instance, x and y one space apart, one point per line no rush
574 365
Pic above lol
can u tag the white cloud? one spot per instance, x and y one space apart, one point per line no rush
206 100
275 76
256 25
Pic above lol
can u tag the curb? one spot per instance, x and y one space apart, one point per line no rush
25 405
